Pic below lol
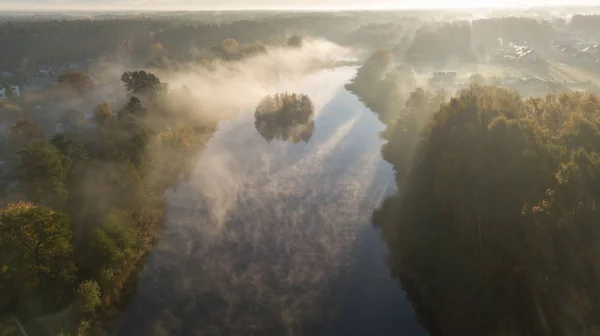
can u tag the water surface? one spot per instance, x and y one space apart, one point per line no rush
276 238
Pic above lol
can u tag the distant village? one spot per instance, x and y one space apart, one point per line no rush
15 82
567 48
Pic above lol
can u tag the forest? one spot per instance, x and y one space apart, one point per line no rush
89 204
493 230
486 220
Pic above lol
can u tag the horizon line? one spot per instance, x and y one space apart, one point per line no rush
81 9
315 9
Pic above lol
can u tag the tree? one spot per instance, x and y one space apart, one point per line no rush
142 82
36 245
157 48
103 114
295 41
77 81
42 173
9 112
230 46
87 296
495 231
22 132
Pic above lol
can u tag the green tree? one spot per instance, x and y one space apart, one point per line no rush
142 82
295 41
36 245
42 173
87 296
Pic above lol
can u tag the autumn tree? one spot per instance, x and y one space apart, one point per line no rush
157 48
22 132
103 114
230 46
36 245
497 215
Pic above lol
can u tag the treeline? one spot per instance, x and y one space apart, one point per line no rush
84 207
40 43
493 231
440 43
586 23
492 32
383 85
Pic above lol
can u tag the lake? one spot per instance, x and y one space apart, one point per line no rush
275 238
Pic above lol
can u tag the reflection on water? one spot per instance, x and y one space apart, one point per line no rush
291 133
275 238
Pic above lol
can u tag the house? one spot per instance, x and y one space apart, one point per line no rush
4 94
444 75
595 49
60 128
443 78
585 57
47 70
16 91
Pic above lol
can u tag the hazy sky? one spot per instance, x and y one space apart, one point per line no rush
274 4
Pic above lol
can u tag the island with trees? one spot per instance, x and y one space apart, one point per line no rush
285 116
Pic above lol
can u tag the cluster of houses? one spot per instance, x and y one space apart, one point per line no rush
517 53
53 70
44 76
578 52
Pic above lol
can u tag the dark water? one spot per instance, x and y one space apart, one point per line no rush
275 238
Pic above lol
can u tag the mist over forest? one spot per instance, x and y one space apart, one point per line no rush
300 173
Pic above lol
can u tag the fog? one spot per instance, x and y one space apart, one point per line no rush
226 88
268 226
181 205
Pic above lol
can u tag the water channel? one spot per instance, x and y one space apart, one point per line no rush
275 238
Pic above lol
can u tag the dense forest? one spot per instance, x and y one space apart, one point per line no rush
493 229
88 205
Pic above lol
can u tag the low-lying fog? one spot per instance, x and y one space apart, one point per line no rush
263 231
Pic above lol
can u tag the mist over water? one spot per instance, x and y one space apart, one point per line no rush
264 235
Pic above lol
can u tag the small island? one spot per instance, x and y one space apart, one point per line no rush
285 116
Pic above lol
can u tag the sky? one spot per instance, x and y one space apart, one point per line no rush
144 5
